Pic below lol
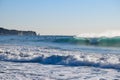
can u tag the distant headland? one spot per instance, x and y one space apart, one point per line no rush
4 31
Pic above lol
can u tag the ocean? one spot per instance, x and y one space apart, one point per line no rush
48 57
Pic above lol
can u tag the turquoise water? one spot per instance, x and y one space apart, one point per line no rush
100 41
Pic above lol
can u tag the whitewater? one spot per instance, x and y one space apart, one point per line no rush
58 58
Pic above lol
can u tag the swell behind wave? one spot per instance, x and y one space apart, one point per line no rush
97 41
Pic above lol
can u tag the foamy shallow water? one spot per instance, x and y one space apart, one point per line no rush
36 71
21 62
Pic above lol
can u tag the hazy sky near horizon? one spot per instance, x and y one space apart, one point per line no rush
66 17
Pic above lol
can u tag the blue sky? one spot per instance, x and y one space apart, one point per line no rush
66 17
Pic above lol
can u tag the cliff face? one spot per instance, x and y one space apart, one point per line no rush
16 32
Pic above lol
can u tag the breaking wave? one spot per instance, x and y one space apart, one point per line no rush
57 57
108 39
102 41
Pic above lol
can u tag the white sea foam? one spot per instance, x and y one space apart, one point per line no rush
21 59
53 56
109 34
36 71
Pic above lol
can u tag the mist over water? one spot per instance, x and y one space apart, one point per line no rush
108 34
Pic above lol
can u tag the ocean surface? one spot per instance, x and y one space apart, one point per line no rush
66 57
